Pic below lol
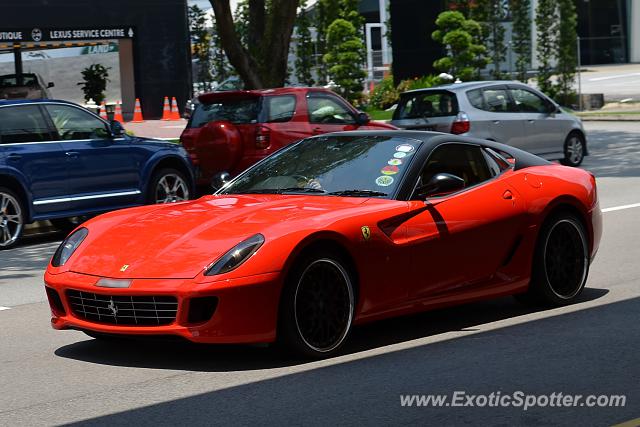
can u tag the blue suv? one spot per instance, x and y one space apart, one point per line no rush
59 161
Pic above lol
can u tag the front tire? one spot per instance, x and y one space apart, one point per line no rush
12 218
561 262
168 186
317 306
574 150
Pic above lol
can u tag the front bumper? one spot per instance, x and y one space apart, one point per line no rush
247 309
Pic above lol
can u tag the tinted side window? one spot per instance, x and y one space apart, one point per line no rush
528 102
279 108
23 123
73 123
462 160
476 99
426 104
496 100
325 109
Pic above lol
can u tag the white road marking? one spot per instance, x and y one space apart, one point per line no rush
619 76
619 208
5 308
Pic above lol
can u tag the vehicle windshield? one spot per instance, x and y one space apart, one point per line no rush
356 166
432 103
236 111
12 80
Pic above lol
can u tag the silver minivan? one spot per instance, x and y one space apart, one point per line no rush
504 111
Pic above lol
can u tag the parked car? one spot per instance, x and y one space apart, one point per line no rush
508 112
333 231
229 131
58 160
24 86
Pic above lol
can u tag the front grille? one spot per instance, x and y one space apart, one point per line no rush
123 310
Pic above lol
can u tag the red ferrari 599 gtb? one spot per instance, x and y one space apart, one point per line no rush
331 232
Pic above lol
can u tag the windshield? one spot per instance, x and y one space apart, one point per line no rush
12 80
357 166
236 111
419 105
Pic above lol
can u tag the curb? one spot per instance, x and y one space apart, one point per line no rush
610 118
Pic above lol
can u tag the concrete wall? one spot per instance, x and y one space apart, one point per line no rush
66 73
634 31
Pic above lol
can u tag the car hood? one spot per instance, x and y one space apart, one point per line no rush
178 241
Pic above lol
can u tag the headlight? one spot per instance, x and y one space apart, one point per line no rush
68 247
236 256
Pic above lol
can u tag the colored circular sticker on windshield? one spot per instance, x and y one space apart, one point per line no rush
405 148
394 162
390 170
384 181
400 155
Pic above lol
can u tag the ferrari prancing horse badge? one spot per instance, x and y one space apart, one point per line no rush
366 233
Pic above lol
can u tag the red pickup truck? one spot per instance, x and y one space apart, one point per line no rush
230 131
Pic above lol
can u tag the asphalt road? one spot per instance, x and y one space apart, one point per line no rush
591 348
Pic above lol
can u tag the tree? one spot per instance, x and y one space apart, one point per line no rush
262 62
344 58
490 14
566 53
327 12
219 63
95 78
460 36
349 12
304 47
521 36
200 45
546 18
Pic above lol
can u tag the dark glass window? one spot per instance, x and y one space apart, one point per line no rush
325 109
24 123
73 123
495 100
234 110
462 160
426 104
528 102
279 108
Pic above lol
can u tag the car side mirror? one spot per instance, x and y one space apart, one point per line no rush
116 128
439 185
219 180
362 118
50 85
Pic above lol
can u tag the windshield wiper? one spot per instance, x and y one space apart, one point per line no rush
358 193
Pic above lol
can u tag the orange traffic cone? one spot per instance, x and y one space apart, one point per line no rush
175 112
103 111
166 110
137 113
117 116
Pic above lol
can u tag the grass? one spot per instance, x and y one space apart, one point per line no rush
379 114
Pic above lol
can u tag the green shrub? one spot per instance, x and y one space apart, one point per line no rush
384 94
419 83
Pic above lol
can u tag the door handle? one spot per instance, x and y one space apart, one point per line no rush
14 156
496 122
507 195
72 154
531 121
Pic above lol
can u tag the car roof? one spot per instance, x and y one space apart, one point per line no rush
466 85
431 140
6 102
255 93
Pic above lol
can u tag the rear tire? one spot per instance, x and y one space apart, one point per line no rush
12 218
317 306
168 186
574 150
561 262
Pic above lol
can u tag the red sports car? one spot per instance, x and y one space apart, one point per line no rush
331 232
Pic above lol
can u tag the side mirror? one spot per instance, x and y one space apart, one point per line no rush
362 118
50 85
439 185
219 180
116 128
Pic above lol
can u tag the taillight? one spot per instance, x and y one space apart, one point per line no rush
262 137
461 124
